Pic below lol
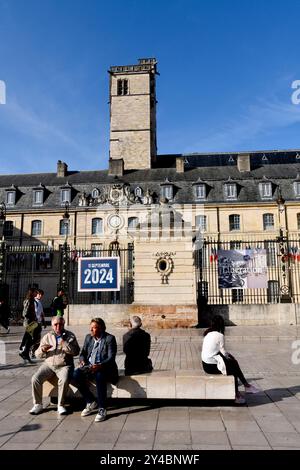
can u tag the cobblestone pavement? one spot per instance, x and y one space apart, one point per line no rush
270 420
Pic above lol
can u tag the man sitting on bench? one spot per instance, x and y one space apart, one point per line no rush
96 362
136 346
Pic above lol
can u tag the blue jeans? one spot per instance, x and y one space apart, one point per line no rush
81 378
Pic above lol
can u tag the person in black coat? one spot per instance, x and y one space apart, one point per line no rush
4 314
136 346
96 362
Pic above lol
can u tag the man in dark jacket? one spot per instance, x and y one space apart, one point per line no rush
97 362
136 346
59 303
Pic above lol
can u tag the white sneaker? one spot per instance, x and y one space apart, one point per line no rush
252 389
36 409
101 415
90 407
61 410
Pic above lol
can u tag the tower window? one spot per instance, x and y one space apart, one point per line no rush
122 87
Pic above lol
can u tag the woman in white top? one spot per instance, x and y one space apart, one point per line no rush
216 360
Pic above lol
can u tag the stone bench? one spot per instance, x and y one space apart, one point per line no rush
191 384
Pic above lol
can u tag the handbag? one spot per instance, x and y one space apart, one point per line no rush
30 328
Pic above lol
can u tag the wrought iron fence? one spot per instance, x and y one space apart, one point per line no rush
124 296
38 266
282 270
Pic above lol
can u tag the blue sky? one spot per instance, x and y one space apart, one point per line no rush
226 69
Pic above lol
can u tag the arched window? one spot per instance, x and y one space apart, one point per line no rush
268 221
138 192
132 223
97 226
234 222
95 193
36 228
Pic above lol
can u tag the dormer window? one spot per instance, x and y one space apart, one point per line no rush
122 87
65 195
11 198
265 190
95 193
230 190
138 192
297 188
200 191
167 191
38 197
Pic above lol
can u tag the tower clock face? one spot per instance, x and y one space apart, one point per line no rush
115 221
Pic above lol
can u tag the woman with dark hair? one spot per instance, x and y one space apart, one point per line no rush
30 324
216 360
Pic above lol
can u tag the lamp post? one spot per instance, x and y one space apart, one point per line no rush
65 249
281 209
2 245
284 262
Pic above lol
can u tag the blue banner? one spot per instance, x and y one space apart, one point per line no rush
98 274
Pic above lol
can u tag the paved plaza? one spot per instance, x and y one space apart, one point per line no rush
270 420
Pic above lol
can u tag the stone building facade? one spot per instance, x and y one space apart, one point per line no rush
166 209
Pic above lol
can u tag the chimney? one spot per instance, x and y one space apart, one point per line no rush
62 169
116 167
179 165
243 162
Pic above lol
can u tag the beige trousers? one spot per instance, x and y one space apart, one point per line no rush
46 372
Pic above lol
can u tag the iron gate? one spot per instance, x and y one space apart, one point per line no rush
283 272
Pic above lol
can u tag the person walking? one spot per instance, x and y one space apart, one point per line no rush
96 362
58 348
136 346
216 360
59 304
40 317
30 323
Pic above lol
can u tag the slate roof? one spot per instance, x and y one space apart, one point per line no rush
282 168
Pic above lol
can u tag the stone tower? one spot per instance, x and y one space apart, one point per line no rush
133 114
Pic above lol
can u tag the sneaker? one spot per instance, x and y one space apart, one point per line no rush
101 415
252 389
239 400
36 409
25 358
61 410
90 407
